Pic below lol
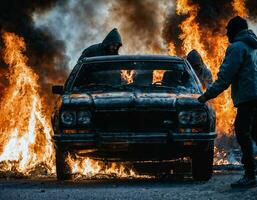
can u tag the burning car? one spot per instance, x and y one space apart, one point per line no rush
133 108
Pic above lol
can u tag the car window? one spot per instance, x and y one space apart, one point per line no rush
158 75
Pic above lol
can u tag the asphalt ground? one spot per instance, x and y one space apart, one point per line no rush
129 188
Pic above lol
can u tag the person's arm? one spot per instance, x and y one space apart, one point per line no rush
230 66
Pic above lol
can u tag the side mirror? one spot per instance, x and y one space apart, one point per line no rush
57 89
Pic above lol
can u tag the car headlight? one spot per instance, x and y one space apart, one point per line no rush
68 117
84 117
192 117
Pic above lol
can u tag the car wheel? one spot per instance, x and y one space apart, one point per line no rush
62 168
202 162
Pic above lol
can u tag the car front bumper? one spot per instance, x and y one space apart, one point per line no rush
96 139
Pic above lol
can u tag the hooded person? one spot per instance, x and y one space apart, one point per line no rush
201 70
110 46
239 69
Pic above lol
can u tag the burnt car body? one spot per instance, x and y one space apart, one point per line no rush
101 114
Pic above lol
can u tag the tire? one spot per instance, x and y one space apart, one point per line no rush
202 162
62 168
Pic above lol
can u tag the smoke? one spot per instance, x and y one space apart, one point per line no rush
140 23
212 14
56 32
171 30
45 52
83 23
252 9
79 23
145 26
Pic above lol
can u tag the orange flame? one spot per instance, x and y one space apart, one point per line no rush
158 75
190 29
239 8
127 75
25 139
89 168
171 49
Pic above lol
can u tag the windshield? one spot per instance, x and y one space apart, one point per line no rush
158 75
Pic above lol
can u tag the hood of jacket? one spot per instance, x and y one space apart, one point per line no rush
112 37
194 58
248 37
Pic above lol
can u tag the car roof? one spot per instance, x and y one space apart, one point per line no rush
117 58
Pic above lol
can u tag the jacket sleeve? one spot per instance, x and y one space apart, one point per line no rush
93 50
233 60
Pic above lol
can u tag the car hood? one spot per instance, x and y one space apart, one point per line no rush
128 99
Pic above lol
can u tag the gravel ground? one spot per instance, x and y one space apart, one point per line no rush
173 188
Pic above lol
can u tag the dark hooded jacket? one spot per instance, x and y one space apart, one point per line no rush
99 49
239 69
202 72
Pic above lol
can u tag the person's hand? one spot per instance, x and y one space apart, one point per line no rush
202 98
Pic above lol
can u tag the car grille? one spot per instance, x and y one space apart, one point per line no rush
134 121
